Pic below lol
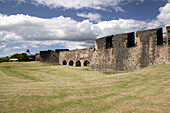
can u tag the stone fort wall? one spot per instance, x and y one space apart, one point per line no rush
50 56
120 52
79 57
131 51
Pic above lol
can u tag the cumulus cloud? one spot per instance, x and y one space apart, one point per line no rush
91 16
37 32
27 28
78 4
163 18
118 26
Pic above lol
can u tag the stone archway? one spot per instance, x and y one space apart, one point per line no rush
71 63
86 63
64 62
78 63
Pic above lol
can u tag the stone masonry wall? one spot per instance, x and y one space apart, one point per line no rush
51 56
115 57
81 55
148 50
122 52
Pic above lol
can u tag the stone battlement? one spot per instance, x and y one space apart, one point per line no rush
120 52
130 51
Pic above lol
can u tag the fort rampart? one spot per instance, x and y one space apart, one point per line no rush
120 52
50 56
131 51
79 57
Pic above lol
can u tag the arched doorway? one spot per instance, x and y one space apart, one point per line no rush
78 63
86 63
64 62
71 63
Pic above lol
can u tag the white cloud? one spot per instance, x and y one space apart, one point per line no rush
2 1
118 26
91 16
23 27
163 19
161 0
164 16
37 32
78 4
8 52
18 1
19 28
153 24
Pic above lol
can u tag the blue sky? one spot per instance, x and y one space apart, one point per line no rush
55 24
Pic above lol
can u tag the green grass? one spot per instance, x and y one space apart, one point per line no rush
11 71
44 87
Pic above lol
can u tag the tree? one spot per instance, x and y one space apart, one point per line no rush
19 56
28 51
25 56
4 59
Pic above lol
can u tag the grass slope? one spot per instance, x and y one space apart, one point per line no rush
42 87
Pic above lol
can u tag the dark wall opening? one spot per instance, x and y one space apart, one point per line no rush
131 40
71 63
78 63
86 63
64 62
168 37
109 43
159 37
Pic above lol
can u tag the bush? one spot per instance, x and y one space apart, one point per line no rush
4 60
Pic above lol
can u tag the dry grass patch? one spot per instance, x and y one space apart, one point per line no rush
43 87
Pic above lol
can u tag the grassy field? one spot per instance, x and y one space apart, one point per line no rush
42 87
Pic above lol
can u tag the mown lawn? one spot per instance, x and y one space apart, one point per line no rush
42 87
